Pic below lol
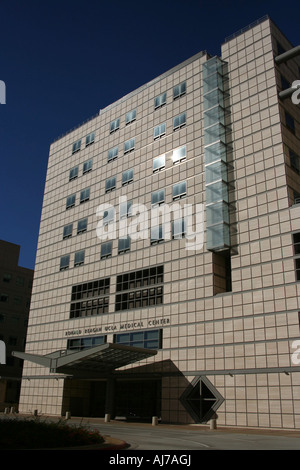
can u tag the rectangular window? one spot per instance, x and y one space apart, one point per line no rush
114 125
6 277
179 190
296 240
67 233
294 159
296 243
290 123
76 146
79 258
139 298
84 195
159 163
125 209
158 197
70 201
82 226
108 216
178 229
79 344
112 154
148 339
127 177
141 278
90 289
73 173
90 139
157 234
87 166
64 262
160 100
106 250
130 117
297 268
296 197
3 297
179 155
221 267
179 90
129 145
110 184
179 121
123 245
159 131
140 288
90 298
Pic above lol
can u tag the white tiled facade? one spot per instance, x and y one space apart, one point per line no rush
240 338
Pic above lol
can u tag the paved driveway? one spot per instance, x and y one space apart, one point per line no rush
166 437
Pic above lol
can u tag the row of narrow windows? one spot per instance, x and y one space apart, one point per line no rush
157 235
134 290
159 163
178 191
127 177
221 263
159 101
146 339
159 131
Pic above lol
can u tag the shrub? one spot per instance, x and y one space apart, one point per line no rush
36 434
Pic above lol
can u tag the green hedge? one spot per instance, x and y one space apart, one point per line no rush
36 434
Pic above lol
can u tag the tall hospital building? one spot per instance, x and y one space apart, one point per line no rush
168 263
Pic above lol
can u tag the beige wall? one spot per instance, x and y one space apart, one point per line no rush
249 328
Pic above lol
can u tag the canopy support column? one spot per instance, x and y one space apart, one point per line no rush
110 397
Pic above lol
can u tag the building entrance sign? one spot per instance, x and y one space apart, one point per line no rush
119 326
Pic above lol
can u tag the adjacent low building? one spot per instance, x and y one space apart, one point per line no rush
167 270
15 295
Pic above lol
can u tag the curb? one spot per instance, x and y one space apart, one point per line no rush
113 444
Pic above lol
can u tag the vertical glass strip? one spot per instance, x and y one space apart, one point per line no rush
216 182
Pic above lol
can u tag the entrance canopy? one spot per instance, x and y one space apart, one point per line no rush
91 362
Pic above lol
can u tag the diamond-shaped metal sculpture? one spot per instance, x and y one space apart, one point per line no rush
201 399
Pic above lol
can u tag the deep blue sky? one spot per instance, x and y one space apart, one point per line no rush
63 60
